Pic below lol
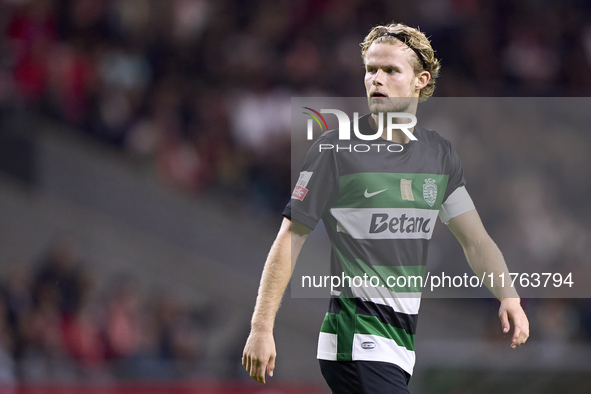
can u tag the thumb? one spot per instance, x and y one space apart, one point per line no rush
271 366
504 322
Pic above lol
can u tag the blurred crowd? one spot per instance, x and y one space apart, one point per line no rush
56 324
201 89
526 162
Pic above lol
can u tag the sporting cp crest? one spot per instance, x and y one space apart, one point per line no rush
430 191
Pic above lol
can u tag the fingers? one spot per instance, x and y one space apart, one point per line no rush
516 337
256 368
247 364
521 334
259 370
504 322
258 357
511 313
519 337
271 366
255 372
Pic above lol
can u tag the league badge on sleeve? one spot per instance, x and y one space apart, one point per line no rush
300 191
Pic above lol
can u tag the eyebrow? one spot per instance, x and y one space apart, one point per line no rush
369 65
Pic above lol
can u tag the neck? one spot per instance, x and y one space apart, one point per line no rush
398 135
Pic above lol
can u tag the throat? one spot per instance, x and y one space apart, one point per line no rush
398 136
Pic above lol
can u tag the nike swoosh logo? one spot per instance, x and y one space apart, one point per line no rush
368 195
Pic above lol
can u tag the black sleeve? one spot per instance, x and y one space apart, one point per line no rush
317 187
455 170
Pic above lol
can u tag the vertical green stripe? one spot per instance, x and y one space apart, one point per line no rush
329 324
346 329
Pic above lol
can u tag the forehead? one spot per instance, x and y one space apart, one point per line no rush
388 54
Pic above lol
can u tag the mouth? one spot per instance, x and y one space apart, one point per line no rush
378 94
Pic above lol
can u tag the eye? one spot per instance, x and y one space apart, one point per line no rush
370 70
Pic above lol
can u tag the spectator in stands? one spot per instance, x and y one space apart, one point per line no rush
177 337
123 331
61 269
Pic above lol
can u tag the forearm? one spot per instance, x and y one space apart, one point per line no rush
485 258
275 278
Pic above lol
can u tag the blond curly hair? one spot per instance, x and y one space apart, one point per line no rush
414 39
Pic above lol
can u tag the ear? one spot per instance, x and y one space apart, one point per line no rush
422 80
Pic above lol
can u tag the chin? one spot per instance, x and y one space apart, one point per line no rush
390 104
376 108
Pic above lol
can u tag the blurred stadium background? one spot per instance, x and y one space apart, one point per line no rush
139 193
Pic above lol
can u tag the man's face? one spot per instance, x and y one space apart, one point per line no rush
390 81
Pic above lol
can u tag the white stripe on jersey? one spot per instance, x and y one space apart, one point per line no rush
408 303
385 223
377 348
327 346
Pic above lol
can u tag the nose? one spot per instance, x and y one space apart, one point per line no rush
377 78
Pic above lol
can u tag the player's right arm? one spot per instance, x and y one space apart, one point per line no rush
259 352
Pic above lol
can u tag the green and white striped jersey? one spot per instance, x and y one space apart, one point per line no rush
379 209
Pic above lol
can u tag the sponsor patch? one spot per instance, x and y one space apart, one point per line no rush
381 222
385 223
300 191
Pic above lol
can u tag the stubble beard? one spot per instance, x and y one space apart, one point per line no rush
389 104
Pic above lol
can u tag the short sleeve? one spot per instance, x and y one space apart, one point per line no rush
455 170
457 203
456 200
317 187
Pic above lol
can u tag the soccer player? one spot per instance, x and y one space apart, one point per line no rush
379 209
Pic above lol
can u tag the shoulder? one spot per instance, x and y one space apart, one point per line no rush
433 139
322 149
329 137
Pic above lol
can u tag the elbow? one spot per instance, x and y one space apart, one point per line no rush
295 230
472 245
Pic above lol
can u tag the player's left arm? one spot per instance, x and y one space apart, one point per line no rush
484 256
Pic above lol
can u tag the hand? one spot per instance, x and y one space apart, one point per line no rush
259 354
511 310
